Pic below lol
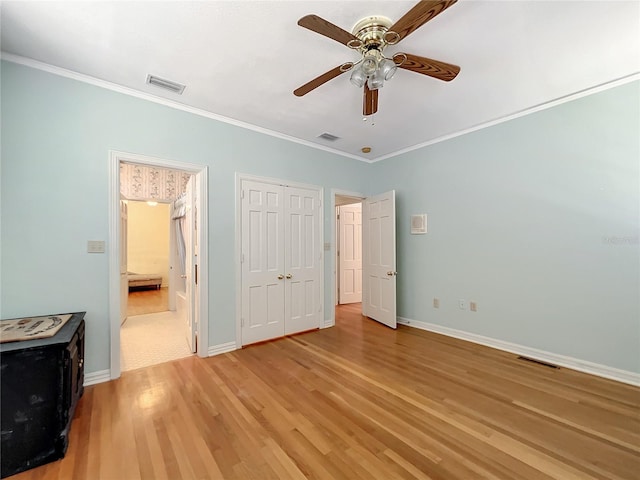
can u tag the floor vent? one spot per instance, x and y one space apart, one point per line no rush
539 362
328 136
166 84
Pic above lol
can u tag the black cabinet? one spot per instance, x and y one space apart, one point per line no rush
41 383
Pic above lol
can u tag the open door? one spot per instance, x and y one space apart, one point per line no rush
379 258
190 264
124 280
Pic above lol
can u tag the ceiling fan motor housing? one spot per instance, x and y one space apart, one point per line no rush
370 32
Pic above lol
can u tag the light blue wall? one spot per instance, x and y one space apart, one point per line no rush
56 137
536 220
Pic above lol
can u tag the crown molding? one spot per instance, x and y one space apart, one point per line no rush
62 72
29 62
536 108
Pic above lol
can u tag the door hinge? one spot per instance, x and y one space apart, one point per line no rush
242 193
338 216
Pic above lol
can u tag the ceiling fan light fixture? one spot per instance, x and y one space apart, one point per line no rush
358 77
387 68
376 81
369 65
370 36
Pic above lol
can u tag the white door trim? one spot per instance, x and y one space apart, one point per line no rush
331 321
201 175
238 243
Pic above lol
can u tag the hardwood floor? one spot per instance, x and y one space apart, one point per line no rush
357 401
143 301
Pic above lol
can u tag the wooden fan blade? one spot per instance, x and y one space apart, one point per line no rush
328 29
316 82
370 101
427 66
424 11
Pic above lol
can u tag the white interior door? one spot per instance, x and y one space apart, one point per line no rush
302 257
124 280
262 258
190 262
379 258
350 235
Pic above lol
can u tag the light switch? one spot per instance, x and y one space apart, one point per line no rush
95 246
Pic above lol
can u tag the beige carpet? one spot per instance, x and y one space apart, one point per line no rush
151 339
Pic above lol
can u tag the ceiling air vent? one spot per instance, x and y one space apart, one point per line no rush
328 137
166 84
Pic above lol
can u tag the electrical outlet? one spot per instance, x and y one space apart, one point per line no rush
473 306
436 303
462 304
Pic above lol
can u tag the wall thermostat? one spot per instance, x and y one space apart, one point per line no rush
419 224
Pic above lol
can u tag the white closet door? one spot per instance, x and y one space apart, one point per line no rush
350 253
379 259
302 253
262 263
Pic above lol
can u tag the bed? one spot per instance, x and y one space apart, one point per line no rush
144 280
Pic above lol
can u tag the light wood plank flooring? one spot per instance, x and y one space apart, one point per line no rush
357 401
143 301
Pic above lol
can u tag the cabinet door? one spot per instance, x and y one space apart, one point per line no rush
31 418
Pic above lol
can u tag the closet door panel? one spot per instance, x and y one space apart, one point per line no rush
262 262
302 260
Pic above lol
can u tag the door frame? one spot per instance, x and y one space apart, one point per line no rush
200 173
238 243
331 321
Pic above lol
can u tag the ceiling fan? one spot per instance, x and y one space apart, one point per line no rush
370 37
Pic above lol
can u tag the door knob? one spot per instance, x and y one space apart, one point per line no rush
280 277
391 274
183 276
289 275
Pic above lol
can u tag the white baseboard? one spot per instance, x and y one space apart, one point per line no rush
222 348
328 322
97 377
592 368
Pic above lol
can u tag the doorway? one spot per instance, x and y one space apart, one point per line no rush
149 313
196 260
378 247
347 237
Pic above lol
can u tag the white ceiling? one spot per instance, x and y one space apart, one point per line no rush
242 60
